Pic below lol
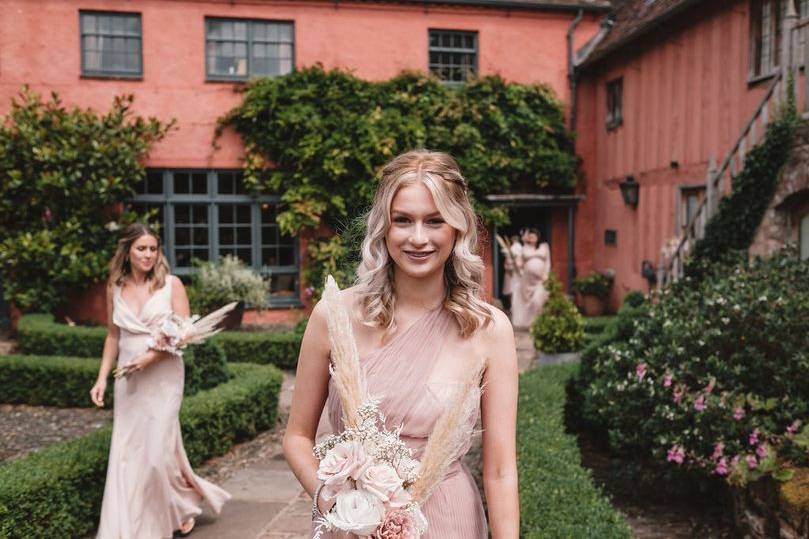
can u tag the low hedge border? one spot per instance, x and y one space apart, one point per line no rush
66 381
57 492
39 334
557 495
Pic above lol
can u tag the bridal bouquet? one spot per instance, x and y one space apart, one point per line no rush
377 485
173 333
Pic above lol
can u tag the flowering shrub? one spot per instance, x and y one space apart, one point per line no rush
712 377
560 327
216 284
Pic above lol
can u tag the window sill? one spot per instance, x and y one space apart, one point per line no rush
614 125
752 81
220 80
117 76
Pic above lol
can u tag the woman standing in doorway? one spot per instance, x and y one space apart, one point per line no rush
528 290
151 491
419 325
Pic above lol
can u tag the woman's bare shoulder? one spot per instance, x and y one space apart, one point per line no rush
498 334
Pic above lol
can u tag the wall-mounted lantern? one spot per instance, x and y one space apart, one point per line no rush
629 191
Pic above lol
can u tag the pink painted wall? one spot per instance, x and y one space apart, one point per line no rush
39 46
686 98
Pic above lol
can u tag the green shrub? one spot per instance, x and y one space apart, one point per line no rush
712 377
634 298
205 366
560 327
595 284
64 171
215 284
279 349
557 495
57 492
38 334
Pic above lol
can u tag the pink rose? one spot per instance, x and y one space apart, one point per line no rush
397 525
640 371
699 404
710 386
721 467
753 439
667 379
752 463
676 454
344 461
382 481
791 429
738 413
761 451
718 450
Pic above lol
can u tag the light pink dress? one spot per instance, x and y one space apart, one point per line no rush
398 374
528 290
151 490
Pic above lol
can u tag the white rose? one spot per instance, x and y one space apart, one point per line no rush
356 511
383 481
344 461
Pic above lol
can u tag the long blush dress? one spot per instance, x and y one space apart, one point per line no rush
151 490
398 373
528 290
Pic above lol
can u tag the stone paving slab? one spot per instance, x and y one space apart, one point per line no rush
240 519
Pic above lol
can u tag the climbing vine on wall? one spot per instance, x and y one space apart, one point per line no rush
318 138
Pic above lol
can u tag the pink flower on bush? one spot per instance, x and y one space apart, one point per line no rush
397 525
309 292
699 404
721 467
752 463
761 451
753 439
738 413
710 386
718 451
676 454
667 379
640 371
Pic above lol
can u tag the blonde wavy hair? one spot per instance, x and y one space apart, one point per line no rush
463 271
120 266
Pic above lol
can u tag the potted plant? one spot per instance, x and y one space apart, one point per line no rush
215 284
592 292
558 332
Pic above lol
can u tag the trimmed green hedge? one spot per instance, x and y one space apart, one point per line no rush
40 335
557 495
66 381
279 349
57 491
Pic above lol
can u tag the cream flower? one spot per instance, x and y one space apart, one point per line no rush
383 481
346 460
356 511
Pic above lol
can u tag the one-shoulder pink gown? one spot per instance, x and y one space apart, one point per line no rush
398 374
151 489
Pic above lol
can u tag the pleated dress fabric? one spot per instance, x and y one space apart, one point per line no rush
398 374
151 489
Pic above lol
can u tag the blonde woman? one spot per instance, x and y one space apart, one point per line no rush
419 324
151 491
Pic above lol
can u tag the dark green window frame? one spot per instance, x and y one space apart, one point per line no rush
99 36
203 190
250 42
442 57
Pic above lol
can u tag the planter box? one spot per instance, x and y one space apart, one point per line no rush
591 305
234 318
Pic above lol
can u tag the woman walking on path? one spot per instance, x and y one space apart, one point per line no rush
151 490
419 325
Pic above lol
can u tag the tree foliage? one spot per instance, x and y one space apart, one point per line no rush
63 173
318 138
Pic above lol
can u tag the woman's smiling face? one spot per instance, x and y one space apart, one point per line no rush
419 240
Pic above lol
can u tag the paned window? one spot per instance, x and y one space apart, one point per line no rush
690 199
766 17
206 215
453 55
615 103
237 49
111 44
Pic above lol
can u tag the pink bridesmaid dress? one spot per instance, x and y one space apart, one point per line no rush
397 373
151 489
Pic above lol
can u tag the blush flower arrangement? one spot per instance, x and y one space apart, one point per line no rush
173 333
370 473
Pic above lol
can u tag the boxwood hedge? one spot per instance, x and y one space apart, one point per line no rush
57 491
557 495
39 334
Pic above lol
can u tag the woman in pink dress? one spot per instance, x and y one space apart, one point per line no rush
528 287
420 323
151 490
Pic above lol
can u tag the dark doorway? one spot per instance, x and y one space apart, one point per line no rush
524 217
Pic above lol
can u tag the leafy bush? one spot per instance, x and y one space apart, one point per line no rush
560 327
557 495
634 298
63 173
215 284
57 492
712 377
320 137
205 366
40 335
595 284
279 349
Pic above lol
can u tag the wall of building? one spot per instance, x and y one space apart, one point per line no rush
686 98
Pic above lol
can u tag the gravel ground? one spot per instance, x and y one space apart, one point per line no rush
30 428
